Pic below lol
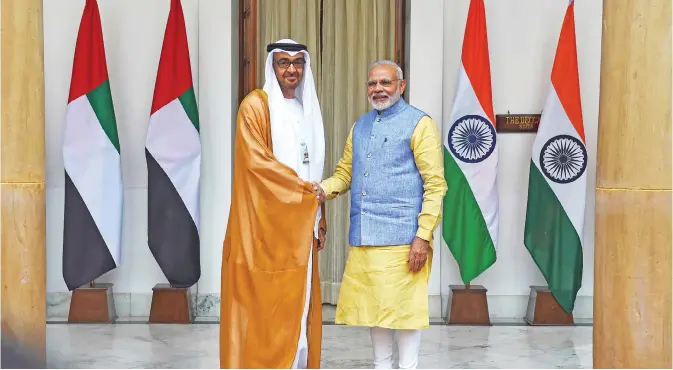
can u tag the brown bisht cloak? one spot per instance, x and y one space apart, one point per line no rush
265 254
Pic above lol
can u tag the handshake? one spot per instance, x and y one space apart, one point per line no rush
318 191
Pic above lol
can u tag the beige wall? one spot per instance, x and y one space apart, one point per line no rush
133 33
522 41
523 36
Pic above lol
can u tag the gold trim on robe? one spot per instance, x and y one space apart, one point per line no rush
265 253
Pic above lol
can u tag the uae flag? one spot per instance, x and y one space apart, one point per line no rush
470 218
173 153
557 183
93 179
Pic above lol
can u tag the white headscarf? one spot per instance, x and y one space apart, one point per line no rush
285 141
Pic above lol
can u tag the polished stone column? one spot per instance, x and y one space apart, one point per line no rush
632 279
23 259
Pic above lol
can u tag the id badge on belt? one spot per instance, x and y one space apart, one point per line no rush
304 152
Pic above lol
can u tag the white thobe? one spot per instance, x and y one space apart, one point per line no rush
296 113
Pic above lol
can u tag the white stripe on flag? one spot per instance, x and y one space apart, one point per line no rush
553 122
93 164
481 176
174 143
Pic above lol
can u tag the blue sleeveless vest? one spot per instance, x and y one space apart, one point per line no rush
386 186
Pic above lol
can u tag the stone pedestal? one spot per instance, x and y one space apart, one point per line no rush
468 306
543 309
171 305
92 305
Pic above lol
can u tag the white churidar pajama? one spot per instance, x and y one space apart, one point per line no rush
408 343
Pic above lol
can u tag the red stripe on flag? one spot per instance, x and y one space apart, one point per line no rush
475 56
565 75
89 68
174 75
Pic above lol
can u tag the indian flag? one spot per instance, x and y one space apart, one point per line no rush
93 179
173 153
470 218
557 184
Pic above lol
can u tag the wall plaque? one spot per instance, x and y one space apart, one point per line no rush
517 122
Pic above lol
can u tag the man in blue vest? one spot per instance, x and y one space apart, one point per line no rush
393 166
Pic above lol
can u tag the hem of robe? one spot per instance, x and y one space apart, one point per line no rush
314 315
313 321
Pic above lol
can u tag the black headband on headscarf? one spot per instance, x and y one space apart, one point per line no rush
286 47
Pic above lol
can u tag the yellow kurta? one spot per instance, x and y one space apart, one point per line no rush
377 288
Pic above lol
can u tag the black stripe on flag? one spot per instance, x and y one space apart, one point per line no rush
85 255
171 233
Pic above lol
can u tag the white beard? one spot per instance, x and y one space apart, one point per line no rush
386 104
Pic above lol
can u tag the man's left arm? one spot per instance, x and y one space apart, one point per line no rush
426 143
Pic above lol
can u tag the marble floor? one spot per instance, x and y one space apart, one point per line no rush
196 346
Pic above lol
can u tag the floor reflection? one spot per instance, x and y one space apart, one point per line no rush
196 346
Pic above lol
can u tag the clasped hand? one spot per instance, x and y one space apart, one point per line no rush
418 253
319 193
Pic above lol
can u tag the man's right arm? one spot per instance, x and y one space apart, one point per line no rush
340 182
254 160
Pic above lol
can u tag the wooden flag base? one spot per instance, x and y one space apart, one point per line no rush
468 305
92 304
544 309
171 305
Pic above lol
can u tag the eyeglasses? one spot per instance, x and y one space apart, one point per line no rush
383 82
285 63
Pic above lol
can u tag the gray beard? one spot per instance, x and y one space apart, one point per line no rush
387 104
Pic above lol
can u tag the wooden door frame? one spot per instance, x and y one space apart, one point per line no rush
247 43
247 47
400 33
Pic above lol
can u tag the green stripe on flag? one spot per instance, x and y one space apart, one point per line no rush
100 99
463 226
552 241
188 101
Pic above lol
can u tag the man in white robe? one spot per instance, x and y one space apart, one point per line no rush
270 311
298 137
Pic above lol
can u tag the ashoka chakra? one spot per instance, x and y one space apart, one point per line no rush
563 159
471 139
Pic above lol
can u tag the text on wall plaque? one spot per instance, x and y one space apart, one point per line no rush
517 122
